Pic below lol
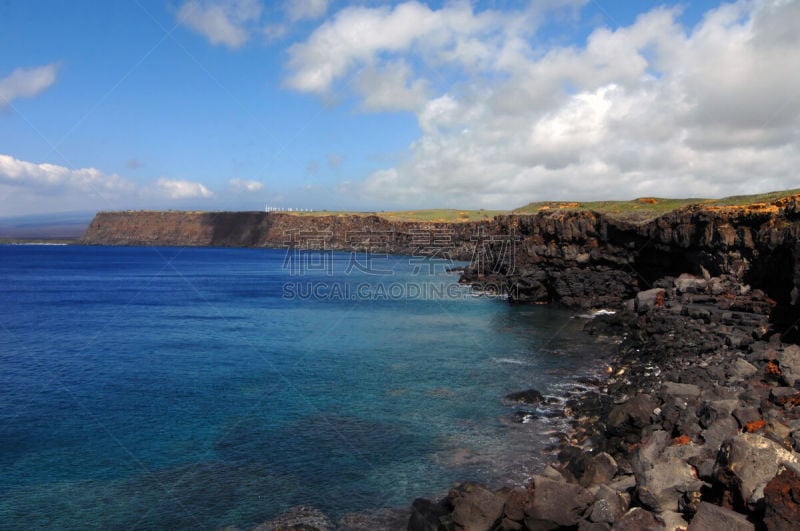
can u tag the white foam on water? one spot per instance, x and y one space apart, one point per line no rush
510 361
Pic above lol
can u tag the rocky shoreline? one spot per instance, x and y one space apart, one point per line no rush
696 426
697 422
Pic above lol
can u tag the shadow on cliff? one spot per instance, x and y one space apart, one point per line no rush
239 229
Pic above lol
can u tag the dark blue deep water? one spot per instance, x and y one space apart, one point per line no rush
198 388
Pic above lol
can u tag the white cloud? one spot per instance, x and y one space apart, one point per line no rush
222 22
179 189
242 185
305 9
30 187
361 35
653 108
390 88
50 178
27 82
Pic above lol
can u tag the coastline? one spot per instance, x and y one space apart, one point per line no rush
695 421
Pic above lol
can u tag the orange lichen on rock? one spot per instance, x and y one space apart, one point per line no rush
755 208
659 299
754 426
682 440
793 400
772 370
647 200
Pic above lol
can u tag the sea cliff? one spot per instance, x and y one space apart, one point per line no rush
282 230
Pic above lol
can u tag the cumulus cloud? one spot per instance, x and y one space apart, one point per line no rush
242 185
390 88
653 108
28 187
27 82
305 9
222 22
47 178
361 35
180 189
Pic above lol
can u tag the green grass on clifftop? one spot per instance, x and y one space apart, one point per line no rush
646 207
635 209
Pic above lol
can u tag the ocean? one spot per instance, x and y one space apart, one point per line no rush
158 387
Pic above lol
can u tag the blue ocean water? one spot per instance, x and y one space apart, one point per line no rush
198 388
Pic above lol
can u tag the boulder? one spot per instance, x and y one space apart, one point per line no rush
608 506
475 507
630 417
429 516
741 369
746 463
687 283
703 462
711 517
794 439
517 501
600 471
623 483
719 431
530 396
712 410
648 299
673 521
661 486
782 502
784 395
747 415
789 361
507 524
551 473
638 519
681 390
556 504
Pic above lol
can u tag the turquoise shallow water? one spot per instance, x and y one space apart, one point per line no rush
197 388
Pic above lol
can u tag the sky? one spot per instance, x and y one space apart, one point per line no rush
369 105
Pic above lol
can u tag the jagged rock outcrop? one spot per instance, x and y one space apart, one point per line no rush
586 259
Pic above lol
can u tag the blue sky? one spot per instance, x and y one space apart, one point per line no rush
232 104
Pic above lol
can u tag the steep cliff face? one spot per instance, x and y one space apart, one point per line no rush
261 229
582 259
587 259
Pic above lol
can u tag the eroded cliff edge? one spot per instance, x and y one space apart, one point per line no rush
587 259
